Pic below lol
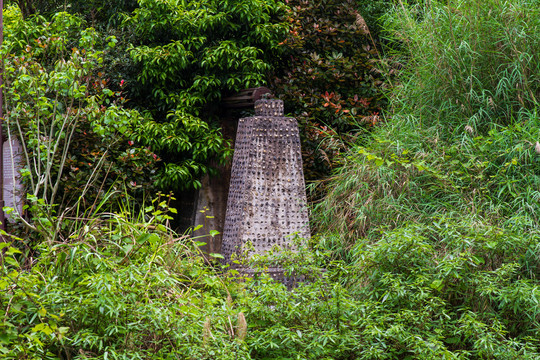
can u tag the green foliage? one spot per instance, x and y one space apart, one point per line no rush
429 238
410 173
437 219
453 290
430 159
97 12
186 54
124 286
472 63
77 136
331 80
174 60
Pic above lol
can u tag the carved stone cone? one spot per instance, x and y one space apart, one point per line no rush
267 197
242 327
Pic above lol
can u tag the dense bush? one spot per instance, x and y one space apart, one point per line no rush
175 60
76 134
435 156
445 290
438 217
469 64
331 82
98 12
123 287
129 288
185 56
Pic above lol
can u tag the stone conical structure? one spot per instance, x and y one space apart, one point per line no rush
267 197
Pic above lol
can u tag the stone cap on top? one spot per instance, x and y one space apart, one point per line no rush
269 107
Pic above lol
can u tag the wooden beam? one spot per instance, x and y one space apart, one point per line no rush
245 98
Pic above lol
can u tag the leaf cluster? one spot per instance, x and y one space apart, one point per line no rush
332 80
77 137
185 56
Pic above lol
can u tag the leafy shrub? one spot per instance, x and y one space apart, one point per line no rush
77 136
123 287
457 286
400 180
427 160
437 219
185 56
175 60
331 81
97 12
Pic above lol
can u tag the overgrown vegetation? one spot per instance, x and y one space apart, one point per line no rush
173 60
462 136
121 287
428 235
440 212
185 56
75 131
332 81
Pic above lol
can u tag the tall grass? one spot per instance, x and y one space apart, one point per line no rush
469 62
462 135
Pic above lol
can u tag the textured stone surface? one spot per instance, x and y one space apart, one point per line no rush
13 189
267 199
